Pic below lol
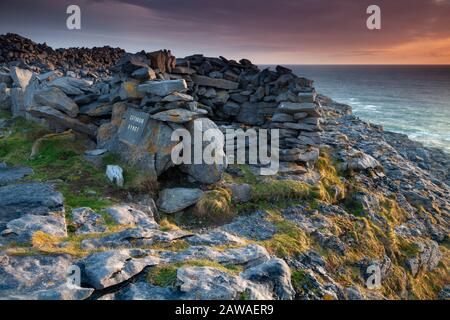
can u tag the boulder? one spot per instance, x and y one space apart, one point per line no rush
177 96
205 173
60 120
178 199
57 99
163 88
144 74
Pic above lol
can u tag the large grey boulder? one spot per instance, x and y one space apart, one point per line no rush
105 269
205 173
163 88
177 199
61 121
30 198
143 291
57 99
152 153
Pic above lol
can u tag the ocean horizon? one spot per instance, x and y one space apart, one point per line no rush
409 99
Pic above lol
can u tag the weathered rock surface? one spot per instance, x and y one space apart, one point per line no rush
175 200
30 198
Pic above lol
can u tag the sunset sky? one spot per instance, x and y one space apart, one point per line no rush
266 31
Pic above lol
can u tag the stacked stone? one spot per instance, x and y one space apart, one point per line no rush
171 93
84 62
299 123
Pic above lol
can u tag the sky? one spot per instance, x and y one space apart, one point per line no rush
265 31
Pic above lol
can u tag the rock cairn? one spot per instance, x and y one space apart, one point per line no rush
166 94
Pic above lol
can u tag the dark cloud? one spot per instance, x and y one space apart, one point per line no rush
260 28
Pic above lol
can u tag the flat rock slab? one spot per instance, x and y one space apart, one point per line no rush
215 83
105 269
9 175
163 88
176 115
29 198
37 277
56 98
21 230
133 237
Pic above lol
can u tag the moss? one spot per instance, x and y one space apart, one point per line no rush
215 206
163 276
275 190
288 241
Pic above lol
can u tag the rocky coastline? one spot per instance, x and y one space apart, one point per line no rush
82 197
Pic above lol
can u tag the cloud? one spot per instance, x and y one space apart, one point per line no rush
268 29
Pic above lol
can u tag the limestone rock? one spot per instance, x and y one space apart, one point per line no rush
177 199
115 175
62 121
163 88
176 115
30 198
215 83
105 269
57 99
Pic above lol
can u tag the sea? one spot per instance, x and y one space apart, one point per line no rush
414 100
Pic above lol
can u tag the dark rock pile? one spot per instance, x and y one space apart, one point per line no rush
87 62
